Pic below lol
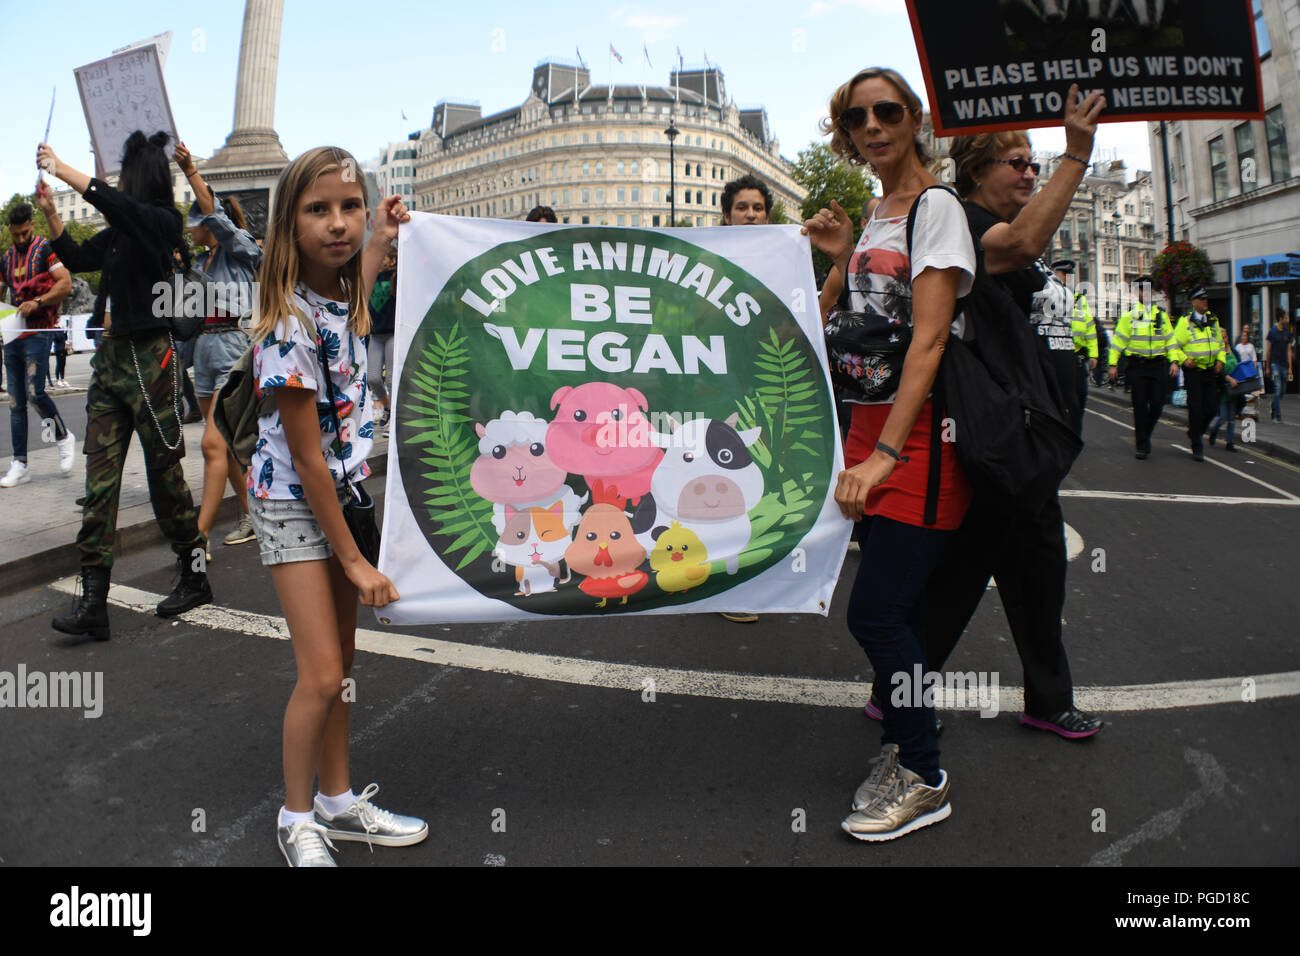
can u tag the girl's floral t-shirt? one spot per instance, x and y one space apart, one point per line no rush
287 358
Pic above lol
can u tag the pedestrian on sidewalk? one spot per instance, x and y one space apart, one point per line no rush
1200 340
1229 404
135 382
876 118
312 315
61 348
37 283
1277 351
229 267
1145 337
379 349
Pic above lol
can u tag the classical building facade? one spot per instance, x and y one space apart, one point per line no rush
599 155
1235 184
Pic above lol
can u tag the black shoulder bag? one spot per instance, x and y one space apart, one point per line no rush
359 509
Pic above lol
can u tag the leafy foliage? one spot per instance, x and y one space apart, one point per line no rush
827 177
438 395
785 407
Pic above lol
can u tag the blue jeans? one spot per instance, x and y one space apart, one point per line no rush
1227 416
1279 386
886 617
27 363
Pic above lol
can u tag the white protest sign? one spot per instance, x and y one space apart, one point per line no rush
122 94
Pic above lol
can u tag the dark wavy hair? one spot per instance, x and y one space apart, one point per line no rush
748 181
146 175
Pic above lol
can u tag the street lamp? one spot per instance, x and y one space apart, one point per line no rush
672 133
1119 253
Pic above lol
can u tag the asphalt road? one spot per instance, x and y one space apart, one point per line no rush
587 774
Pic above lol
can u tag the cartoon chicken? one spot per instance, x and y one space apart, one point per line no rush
606 550
680 559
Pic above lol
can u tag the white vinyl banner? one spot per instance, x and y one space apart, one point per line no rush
597 420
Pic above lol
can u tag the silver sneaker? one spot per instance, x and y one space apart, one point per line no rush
882 772
902 805
243 532
365 821
303 844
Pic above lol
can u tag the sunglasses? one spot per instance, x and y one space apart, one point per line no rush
887 111
1018 163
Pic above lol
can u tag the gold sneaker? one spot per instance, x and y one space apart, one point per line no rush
882 773
903 804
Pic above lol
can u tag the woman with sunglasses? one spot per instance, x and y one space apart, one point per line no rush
1022 548
876 118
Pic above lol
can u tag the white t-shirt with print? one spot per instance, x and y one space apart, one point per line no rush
287 358
880 272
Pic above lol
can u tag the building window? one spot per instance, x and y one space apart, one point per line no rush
1219 168
686 196
586 195
715 198
636 194
621 221
554 197
654 197
632 168
600 168
586 138
1247 175
600 194
654 220
621 197
621 136
564 196
1279 161
620 167
636 220
586 220
699 197
1261 29
586 168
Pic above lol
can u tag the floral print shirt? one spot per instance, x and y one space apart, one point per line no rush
287 358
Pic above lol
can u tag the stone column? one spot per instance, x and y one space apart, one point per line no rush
253 139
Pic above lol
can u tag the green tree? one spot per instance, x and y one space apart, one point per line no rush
776 215
827 177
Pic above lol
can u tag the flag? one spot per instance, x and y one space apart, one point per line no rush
647 56
614 53
403 114
581 63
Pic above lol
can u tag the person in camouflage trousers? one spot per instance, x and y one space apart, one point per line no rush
115 408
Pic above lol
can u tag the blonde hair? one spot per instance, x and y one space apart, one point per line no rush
972 153
279 271
842 142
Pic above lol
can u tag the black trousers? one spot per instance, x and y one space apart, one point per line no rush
1024 552
1081 376
1149 380
1203 391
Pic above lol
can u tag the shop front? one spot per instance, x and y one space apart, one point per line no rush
1264 285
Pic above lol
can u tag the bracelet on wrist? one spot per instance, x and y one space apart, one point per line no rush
1077 159
881 446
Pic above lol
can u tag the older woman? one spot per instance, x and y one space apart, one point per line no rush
1022 547
876 118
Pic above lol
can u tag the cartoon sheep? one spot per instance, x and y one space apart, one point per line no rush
513 468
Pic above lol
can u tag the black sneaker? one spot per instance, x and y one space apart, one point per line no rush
1071 724
1198 454
191 591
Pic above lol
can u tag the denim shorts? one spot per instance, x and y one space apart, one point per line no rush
214 355
287 531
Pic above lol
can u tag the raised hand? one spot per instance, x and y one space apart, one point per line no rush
1081 121
831 231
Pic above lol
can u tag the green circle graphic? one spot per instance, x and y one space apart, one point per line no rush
458 374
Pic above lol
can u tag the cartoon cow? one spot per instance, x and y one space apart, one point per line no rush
709 482
514 469
601 433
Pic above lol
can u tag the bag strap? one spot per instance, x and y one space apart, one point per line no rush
334 412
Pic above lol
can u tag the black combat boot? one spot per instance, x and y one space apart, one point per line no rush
90 613
191 591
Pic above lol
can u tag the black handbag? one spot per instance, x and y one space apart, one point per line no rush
359 509
180 280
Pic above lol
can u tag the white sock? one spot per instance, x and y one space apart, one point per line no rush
336 805
290 817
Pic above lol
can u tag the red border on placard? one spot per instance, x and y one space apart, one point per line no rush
943 132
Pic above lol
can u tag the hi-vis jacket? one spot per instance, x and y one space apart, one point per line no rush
1202 344
1144 332
1083 328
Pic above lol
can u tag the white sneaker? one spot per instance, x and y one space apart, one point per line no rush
67 452
17 475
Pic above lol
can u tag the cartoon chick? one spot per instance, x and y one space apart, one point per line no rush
680 558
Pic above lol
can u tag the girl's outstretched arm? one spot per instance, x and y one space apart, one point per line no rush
302 431
391 213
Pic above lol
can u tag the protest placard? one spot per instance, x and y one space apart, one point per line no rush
122 94
597 420
1011 62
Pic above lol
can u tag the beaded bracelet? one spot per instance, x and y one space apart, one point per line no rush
1077 159
881 446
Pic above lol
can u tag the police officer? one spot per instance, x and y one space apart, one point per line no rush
1198 337
1145 336
1084 331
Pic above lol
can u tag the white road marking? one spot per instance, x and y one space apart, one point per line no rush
1194 499
1259 481
719 684
1093 411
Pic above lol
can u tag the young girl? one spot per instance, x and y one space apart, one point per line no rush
314 285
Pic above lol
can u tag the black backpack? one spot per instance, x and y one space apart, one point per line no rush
1012 436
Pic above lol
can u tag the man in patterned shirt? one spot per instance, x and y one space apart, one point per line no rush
37 283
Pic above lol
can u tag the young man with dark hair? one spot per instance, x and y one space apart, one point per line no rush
541 214
746 202
38 282
1277 345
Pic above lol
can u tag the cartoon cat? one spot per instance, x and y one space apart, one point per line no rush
534 541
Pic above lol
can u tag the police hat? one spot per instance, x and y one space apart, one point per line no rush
1064 265
1200 293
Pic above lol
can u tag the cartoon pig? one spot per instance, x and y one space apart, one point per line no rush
600 432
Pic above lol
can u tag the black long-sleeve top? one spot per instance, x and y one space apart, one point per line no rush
134 252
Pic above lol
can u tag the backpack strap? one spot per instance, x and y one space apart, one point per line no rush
936 402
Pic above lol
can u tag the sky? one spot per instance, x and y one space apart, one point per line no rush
346 77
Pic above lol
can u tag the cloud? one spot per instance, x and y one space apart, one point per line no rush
653 27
